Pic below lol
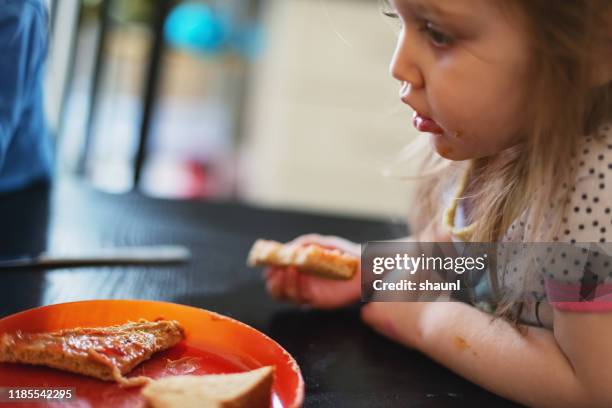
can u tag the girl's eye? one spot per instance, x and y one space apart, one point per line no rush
438 38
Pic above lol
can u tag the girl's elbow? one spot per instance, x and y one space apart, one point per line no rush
598 398
593 394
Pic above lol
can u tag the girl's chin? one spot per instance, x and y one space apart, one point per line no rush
448 150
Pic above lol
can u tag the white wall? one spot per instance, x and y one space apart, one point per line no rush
325 119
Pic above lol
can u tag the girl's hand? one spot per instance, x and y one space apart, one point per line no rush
399 321
290 285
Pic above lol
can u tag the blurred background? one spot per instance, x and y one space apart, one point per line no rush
280 103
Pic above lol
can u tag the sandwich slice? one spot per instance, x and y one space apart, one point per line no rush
105 353
311 258
251 389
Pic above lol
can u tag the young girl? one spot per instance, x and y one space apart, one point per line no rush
516 99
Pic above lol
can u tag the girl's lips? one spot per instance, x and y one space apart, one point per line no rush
425 124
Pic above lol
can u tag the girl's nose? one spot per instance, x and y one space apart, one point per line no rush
404 66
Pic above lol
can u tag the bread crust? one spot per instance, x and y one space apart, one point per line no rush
106 353
312 259
251 389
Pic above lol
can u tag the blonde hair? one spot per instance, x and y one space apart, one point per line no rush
562 108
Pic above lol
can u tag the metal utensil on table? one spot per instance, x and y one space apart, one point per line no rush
141 255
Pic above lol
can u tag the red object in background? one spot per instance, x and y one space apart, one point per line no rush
170 177
199 184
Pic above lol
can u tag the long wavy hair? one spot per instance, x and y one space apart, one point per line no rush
562 108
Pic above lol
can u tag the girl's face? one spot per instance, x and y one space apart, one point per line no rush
463 67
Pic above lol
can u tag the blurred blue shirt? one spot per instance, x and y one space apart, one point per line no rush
25 143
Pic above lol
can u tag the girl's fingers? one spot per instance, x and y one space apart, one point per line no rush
304 284
274 283
292 284
282 283
286 284
272 274
271 271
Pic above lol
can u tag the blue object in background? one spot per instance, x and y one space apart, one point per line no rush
26 154
195 27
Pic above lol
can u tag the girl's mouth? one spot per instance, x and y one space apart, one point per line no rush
425 124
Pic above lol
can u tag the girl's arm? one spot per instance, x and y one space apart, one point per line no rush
570 367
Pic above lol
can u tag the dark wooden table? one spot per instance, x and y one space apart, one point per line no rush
342 361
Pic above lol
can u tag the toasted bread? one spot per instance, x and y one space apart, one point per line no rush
106 353
251 389
312 259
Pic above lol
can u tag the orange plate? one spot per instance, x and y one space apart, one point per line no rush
213 344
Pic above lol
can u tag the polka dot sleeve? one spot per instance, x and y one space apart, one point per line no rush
584 281
589 215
